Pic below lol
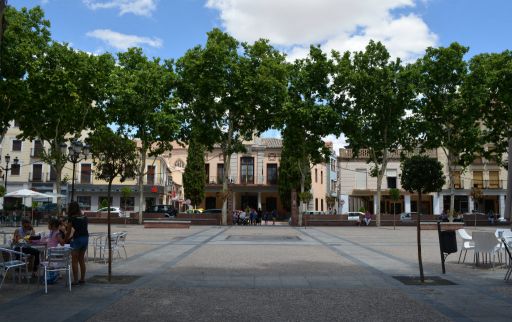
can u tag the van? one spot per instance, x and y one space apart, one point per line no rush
355 216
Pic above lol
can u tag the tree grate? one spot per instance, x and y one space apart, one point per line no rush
429 280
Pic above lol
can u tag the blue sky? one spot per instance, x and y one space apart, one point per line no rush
167 28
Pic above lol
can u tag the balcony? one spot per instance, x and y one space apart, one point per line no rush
51 177
365 154
35 176
487 184
36 152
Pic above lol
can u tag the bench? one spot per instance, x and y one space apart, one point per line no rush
167 224
204 221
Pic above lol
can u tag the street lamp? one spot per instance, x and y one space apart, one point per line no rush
76 152
6 169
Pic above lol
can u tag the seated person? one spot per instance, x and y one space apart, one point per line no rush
20 239
367 218
55 236
444 216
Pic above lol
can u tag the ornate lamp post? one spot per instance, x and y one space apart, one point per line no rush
76 152
6 168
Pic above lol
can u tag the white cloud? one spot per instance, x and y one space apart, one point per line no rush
335 24
136 7
122 41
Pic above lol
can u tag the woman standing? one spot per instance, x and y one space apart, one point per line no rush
77 228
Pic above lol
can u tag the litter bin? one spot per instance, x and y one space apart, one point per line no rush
448 241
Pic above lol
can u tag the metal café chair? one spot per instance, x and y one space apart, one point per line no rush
58 260
10 260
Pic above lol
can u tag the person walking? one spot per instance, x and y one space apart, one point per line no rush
77 233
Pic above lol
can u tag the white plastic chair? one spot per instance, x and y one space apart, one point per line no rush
58 260
509 256
467 243
486 243
121 240
10 260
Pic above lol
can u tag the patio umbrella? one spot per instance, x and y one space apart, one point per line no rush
23 193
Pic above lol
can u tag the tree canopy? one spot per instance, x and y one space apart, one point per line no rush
229 92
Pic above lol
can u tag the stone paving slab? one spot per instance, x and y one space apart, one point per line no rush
325 273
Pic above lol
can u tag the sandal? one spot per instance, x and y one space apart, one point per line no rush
75 284
81 282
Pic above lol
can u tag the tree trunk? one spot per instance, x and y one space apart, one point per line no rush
302 204
225 188
380 175
141 181
418 238
109 241
508 201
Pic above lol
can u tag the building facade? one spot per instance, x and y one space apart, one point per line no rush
32 173
358 187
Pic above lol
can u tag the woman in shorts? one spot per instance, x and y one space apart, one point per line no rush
76 231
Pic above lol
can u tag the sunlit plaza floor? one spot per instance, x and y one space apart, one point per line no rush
270 273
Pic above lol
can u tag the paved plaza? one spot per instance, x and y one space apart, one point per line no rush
270 273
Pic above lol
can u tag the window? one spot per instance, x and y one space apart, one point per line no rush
360 178
478 179
84 202
391 178
103 201
127 203
179 163
151 174
333 185
321 204
272 173
210 203
316 175
85 173
207 171
150 201
37 173
247 170
333 165
16 145
321 177
38 149
316 204
220 173
456 180
494 179
53 174
15 169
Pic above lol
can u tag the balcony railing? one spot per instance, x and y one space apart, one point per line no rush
487 184
51 177
35 176
36 152
262 180
365 154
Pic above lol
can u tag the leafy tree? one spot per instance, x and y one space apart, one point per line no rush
25 40
2 191
3 4
446 117
307 117
229 92
141 103
491 79
380 91
422 175
114 156
194 177
290 175
64 86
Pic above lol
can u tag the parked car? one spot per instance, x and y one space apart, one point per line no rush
313 212
113 211
212 211
195 211
407 216
168 210
355 215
